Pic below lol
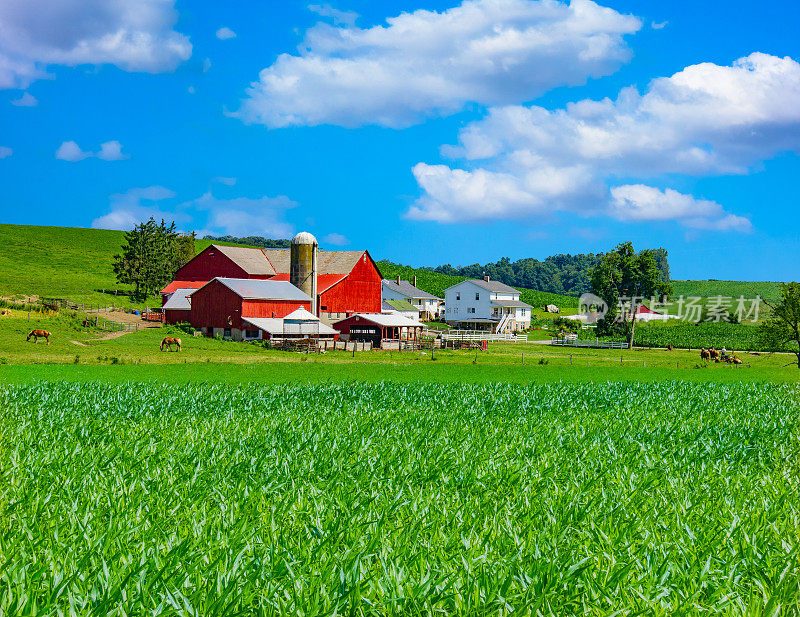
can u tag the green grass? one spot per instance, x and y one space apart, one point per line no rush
64 262
398 499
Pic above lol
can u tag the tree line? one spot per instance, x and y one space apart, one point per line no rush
560 274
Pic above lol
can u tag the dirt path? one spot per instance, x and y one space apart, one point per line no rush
79 343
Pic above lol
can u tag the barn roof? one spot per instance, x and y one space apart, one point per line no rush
256 289
385 320
175 285
408 290
275 326
328 262
252 260
179 300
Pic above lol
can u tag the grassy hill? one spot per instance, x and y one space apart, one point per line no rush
76 263
63 262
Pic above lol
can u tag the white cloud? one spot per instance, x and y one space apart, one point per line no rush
225 33
338 17
72 152
428 63
704 120
659 25
136 206
336 239
134 35
638 202
206 65
26 100
5 152
240 216
225 180
111 151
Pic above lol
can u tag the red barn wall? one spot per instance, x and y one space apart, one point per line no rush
272 308
359 292
212 305
211 263
173 316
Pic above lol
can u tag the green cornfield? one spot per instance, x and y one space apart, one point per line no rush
739 337
389 499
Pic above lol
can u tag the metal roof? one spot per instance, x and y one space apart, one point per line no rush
495 286
251 260
179 300
181 285
407 289
255 289
275 326
328 262
386 320
511 303
301 314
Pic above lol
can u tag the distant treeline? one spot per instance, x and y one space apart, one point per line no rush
264 243
559 274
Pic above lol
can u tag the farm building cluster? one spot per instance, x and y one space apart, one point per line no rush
242 293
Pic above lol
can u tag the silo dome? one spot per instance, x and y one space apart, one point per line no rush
304 238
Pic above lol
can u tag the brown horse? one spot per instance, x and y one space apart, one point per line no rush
37 334
704 354
169 342
714 354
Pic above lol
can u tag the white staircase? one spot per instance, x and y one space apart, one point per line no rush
505 322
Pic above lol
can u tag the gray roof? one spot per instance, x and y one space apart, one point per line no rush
408 290
495 286
328 262
178 300
382 319
251 260
255 289
279 326
511 303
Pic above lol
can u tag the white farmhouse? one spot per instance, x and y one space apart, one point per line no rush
477 304
396 289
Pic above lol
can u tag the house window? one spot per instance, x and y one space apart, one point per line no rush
471 310
458 296
477 296
523 312
227 333
251 334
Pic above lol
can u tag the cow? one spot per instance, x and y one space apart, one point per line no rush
704 354
169 341
37 334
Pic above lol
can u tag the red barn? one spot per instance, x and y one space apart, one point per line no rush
348 282
218 307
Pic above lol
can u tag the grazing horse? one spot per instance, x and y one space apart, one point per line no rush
704 354
714 354
169 342
37 334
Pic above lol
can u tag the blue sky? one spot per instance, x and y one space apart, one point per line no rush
452 133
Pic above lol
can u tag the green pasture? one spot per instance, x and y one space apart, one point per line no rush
732 289
64 262
383 499
80 353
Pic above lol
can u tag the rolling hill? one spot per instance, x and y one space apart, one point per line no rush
76 263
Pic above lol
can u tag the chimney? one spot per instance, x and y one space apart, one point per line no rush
415 281
398 279
486 277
